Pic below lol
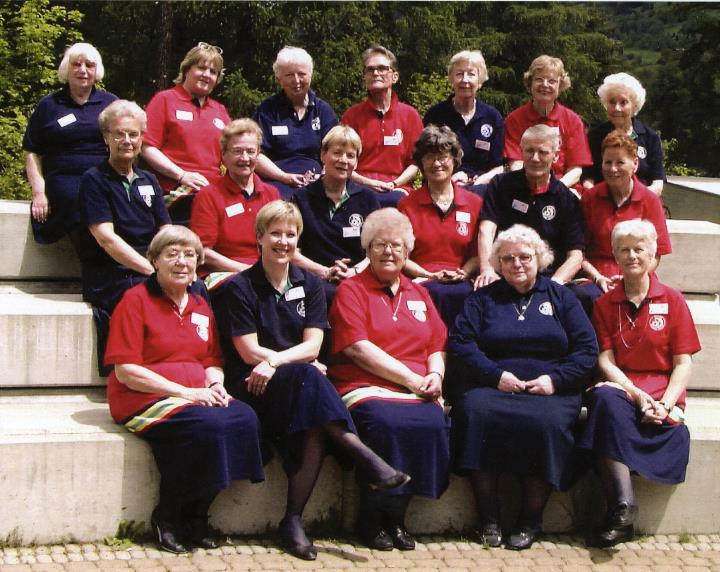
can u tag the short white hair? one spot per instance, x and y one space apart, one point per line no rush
291 55
542 132
472 57
641 229
521 234
383 219
81 49
623 81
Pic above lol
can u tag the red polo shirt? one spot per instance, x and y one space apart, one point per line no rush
574 148
223 216
663 328
387 139
601 216
189 135
443 241
363 310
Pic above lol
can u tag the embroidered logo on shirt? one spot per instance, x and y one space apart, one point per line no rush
657 323
202 333
642 152
355 220
462 228
549 212
418 309
486 130
301 308
219 123
546 309
315 124
146 192
202 323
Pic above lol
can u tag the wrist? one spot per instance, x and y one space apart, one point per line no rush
273 364
214 383
440 375
180 178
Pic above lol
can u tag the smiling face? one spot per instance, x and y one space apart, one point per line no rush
545 87
387 254
379 75
437 168
81 73
518 265
201 79
618 167
339 162
124 139
176 266
634 256
240 157
278 243
620 107
294 79
465 79
538 157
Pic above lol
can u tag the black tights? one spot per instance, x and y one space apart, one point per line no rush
616 479
175 508
535 494
380 509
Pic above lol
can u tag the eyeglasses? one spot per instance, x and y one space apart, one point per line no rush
382 70
206 46
380 247
240 152
431 158
174 255
133 136
521 258
546 80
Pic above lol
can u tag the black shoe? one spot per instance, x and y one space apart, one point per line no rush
200 535
289 545
167 537
522 538
619 527
401 538
397 480
376 538
623 514
490 534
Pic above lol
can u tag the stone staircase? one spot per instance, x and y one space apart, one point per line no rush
67 472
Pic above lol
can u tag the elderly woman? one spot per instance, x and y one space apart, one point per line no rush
621 196
523 350
478 126
635 415
333 210
534 197
294 122
273 321
167 387
623 97
545 80
388 129
183 127
223 215
121 206
62 141
388 343
445 220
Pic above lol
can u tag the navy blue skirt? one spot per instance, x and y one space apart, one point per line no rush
449 299
613 429
200 449
523 434
412 437
297 398
62 194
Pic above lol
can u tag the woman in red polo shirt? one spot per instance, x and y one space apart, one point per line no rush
635 417
183 126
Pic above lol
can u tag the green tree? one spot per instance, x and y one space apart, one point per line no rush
32 33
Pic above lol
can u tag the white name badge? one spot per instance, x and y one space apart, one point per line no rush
391 140
659 308
351 231
67 119
555 130
480 144
236 209
462 216
520 206
295 293
416 306
184 115
200 320
146 190
280 130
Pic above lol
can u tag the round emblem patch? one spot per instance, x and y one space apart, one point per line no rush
419 315
202 333
548 212
462 228
301 308
546 309
642 152
657 323
219 123
355 220
315 124
486 130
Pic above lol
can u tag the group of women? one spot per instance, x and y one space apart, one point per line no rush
520 352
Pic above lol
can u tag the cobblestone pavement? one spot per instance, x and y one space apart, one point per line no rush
556 553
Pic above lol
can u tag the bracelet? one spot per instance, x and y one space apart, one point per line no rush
214 383
664 406
180 178
440 375
271 364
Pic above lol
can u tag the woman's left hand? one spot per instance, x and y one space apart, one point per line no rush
259 377
541 385
655 414
431 387
450 276
223 398
320 366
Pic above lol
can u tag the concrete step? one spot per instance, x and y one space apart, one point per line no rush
695 198
705 311
69 472
692 267
22 258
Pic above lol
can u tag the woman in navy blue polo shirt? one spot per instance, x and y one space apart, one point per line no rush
62 141
272 323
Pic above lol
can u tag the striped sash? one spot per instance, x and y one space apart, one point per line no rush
362 394
157 412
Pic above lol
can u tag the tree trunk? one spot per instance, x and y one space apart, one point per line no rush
164 45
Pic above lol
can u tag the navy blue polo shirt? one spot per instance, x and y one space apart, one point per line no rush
252 305
481 139
556 214
326 238
136 214
650 155
66 134
294 144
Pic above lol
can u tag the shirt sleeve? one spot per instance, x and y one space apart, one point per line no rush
240 312
415 128
315 304
683 334
214 356
347 316
577 150
156 111
438 341
513 134
33 140
490 204
205 219
656 169
656 215
601 321
127 331
92 201
160 211
328 119
575 224
496 144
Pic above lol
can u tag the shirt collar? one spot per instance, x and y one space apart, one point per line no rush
185 96
460 198
286 101
535 117
257 275
371 105
369 279
617 294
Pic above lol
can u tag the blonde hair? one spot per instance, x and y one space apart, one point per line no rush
201 53
475 59
549 63
238 127
276 211
81 49
343 135
174 234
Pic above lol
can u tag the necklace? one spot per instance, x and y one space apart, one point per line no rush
395 311
633 324
522 309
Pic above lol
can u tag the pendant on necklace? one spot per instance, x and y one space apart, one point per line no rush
521 318
394 318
